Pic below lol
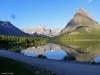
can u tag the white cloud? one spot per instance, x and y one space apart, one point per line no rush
89 1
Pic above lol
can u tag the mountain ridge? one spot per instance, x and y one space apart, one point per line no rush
6 28
43 31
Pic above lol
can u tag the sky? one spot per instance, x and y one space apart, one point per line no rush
51 13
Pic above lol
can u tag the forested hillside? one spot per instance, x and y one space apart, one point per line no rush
13 40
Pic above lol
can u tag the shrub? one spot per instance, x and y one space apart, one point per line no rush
44 57
18 50
69 57
41 56
72 58
66 57
93 62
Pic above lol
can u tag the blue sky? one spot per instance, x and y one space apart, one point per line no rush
51 13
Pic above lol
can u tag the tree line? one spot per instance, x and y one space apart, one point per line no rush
24 40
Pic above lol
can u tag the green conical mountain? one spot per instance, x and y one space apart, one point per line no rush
83 25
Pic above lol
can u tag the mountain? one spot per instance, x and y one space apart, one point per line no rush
81 18
43 31
83 25
6 28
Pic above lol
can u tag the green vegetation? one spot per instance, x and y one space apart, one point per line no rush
69 57
41 56
83 40
81 46
82 50
93 62
9 41
18 51
80 36
85 30
9 66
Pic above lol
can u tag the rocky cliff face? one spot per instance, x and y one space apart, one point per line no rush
83 13
42 30
6 28
81 18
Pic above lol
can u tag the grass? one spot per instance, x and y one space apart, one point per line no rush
87 31
9 66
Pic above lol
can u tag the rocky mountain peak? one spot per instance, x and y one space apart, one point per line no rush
6 21
41 27
42 31
83 13
81 10
81 17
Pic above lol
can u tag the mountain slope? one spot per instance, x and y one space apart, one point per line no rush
81 18
82 26
43 31
6 28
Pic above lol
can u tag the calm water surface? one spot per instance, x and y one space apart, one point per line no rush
98 59
83 51
50 50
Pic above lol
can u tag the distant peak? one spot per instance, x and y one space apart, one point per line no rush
40 25
81 9
6 21
83 13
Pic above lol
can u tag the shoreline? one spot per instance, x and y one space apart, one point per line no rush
70 61
60 67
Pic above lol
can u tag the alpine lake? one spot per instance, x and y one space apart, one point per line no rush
82 51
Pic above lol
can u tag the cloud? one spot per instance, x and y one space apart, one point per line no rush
89 1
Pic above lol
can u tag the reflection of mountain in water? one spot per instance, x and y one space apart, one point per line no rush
83 51
89 56
43 49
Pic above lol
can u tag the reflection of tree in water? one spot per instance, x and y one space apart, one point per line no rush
22 47
83 51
